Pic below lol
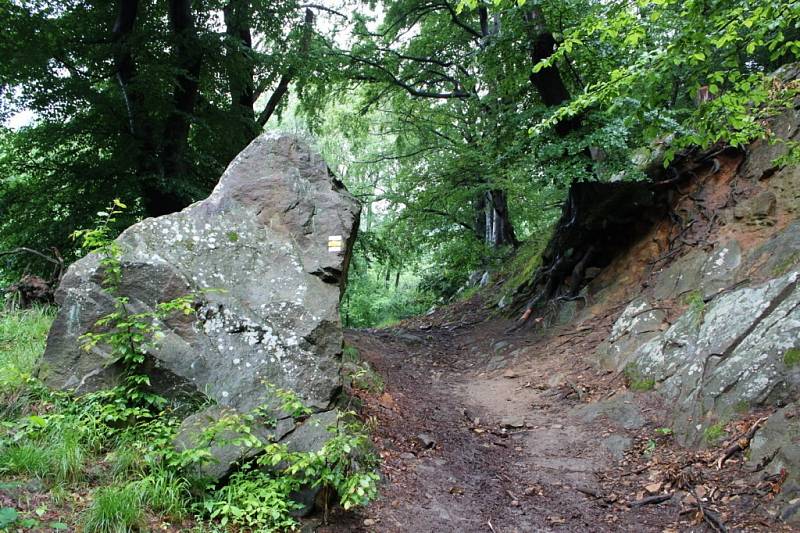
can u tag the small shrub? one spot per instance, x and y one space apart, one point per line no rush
697 305
114 510
254 500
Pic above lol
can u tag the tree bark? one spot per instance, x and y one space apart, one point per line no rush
548 81
241 72
123 57
140 127
160 197
503 229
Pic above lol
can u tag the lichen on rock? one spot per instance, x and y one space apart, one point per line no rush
255 255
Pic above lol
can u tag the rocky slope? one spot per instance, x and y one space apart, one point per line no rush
708 300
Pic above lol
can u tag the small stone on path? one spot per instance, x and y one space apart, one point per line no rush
514 421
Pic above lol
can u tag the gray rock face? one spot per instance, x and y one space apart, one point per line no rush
776 447
266 256
701 271
730 355
638 323
620 409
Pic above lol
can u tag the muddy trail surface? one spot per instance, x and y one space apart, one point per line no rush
480 430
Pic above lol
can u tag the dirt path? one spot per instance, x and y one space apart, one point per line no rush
481 431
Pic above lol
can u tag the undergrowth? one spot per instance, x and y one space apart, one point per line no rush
118 444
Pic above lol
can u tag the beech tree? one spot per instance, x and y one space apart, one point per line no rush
137 99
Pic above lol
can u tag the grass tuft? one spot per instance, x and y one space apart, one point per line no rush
165 493
114 510
22 338
25 459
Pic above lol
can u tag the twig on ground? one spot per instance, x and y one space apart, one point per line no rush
652 500
709 516
740 443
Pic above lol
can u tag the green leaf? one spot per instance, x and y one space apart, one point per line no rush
8 516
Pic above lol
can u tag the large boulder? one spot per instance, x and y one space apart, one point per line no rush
266 256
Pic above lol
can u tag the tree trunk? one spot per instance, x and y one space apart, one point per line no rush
138 124
160 197
241 72
479 208
503 230
492 222
548 81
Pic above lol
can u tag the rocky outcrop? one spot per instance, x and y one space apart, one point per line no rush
775 451
726 356
266 257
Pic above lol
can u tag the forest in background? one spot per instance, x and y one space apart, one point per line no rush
460 126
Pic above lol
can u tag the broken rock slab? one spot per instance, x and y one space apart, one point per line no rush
735 352
265 257
775 448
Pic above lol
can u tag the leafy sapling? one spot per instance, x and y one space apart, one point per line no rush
128 336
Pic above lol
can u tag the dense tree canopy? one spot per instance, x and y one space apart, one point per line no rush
460 125
136 99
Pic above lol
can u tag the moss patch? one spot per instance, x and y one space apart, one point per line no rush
714 433
791 357
636 381
233 236
527 259
784 266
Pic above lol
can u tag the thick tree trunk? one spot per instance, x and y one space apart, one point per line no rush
144 145
160 196
492 222
548 81
123 58
503 230
241 73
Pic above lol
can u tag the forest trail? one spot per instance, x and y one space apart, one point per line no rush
481 431
506 449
